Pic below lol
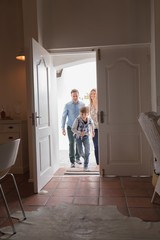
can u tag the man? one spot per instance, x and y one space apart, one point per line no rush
70 112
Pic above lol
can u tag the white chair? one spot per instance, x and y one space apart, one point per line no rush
8 155
151 128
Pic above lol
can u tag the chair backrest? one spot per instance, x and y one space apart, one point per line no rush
151 129
8 154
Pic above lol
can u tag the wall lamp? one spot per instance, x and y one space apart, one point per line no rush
20 56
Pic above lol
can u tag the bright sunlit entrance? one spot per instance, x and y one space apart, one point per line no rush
82 77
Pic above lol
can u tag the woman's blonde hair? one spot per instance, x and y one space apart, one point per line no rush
90 100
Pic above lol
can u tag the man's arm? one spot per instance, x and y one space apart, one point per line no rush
63 121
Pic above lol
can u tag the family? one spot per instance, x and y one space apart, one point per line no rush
81 122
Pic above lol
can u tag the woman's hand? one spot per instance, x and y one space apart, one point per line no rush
82 134
64 132
93 134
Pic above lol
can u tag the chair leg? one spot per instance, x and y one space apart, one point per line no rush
18 195
153 196
7 209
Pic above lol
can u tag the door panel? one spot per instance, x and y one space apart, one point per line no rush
45 122
42 93
124 83
127 77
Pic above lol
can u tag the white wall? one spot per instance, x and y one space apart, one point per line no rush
157 50
81 77
85 23
12 71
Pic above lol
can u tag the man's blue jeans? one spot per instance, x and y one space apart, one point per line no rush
83 146
73 151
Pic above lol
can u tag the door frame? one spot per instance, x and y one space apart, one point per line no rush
29 74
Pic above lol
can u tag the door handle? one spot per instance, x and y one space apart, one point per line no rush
101 117
36 118
33 119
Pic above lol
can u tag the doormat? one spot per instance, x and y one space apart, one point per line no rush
80 172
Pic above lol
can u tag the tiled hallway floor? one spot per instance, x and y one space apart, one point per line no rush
131 195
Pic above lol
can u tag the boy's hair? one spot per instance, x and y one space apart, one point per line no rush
84 109
74 91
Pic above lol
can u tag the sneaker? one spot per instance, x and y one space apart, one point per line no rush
86 169
78 161
72 165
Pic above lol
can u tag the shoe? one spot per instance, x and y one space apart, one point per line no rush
78 161
72 165
86 169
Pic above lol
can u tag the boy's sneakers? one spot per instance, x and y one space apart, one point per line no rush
86 169
78 161
72 165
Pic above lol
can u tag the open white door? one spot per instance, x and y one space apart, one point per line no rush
123 83
44 117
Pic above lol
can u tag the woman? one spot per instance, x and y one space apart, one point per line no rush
93 114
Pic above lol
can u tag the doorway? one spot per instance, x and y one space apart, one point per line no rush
123 86
81 76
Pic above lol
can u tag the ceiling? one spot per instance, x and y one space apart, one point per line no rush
66 59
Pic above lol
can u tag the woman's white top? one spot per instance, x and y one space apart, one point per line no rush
93 115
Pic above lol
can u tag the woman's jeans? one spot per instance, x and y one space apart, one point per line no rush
95 142
73 151
83 146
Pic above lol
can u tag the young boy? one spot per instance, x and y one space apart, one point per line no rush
81 128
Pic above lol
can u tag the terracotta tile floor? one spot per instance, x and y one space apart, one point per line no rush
131 195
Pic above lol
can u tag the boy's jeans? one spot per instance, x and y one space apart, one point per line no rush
83 146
